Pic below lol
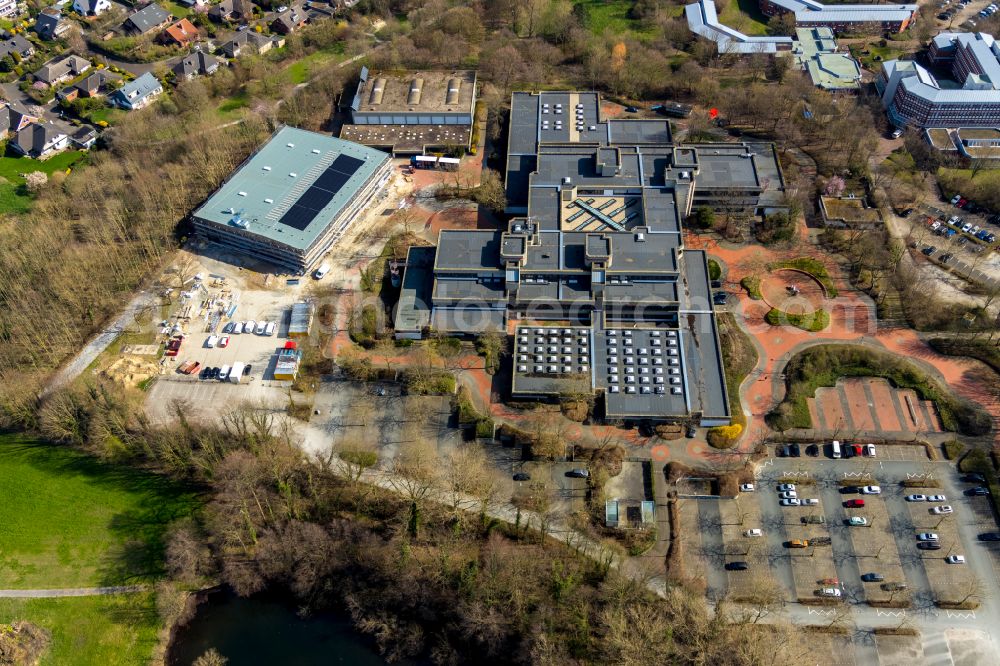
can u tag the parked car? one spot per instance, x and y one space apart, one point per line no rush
789 502
989 536
927 536
955 199
798 543
237 328
832 592
857 521
854 503
855 450
955 559
870 450
788 494
786 486
211 341
249 326
746 487
829 581
261 327
936 498
224 341
929 545
631 109
522 476
940 510
794 450
811 501
978 491
720 297
755 532
872 577
813 520
916 498
578 473
929 250
228 328
737 566
974 478
893 587
871 490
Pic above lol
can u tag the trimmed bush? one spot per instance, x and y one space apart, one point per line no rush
812 322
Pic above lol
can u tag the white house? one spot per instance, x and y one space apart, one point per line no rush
8 8
137 94
91 7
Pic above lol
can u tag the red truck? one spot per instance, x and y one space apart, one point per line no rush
174 346
189 367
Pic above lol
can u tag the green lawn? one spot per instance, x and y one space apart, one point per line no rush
12 198
229 108
91 631
745 16
175 9
611 15
70 520
107 114
301 70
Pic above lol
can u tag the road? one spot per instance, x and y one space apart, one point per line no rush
99 343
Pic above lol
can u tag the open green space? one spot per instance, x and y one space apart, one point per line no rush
739 358
611 15
73 521
13 198
301 70
745 16
91 631
176 9
106 114
823 365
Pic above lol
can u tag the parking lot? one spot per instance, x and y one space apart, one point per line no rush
876 562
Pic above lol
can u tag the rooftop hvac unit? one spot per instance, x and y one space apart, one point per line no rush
567 180
290 145
267 168
640 237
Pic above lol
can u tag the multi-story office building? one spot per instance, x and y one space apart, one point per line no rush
913 96
843 18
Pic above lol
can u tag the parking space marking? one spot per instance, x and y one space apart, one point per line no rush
960 616
882 613
826 613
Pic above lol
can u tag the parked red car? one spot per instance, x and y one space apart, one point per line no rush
854 503
856 450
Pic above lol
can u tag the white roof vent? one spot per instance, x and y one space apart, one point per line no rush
640 237
567 180
267 168
293 174
290 145
269 201
315 151
242 194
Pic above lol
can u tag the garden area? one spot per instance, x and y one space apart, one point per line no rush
14 195
823 365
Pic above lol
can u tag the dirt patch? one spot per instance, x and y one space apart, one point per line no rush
132 370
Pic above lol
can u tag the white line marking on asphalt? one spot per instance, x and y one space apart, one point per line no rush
960 616
881 613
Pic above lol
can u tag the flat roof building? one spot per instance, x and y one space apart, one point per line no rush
593 277
843 17
292 199
912 96
412 112
816 52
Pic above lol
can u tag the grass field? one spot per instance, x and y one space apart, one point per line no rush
745 16
72 521
301 70
91 631
12 198
610 15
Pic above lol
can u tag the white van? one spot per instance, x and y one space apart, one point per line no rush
237 327
270 328
261 327
236 374
321 272
835 449
224 373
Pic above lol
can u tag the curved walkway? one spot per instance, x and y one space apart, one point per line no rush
70 592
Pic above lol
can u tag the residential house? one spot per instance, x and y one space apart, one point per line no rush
194 4
195 64
84 138
41 140
91 7
8 9
62 69
17 47
50 24
181 33
13 120
250 42
149 18
137 94
232 10
289 20
86 87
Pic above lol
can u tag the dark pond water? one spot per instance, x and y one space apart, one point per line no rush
268 631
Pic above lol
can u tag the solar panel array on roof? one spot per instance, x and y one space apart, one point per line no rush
321 192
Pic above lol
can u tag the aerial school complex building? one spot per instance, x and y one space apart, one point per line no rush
592 276
843 18
414 112
913 96
292 199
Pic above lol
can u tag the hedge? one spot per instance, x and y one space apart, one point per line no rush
812 266
811 322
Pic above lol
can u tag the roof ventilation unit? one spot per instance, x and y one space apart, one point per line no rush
267 168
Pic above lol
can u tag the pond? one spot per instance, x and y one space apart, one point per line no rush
264 630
